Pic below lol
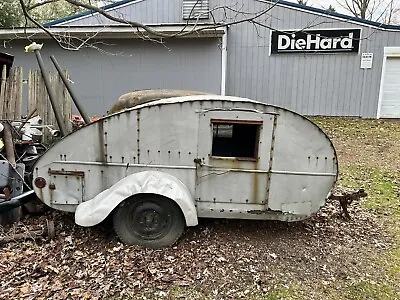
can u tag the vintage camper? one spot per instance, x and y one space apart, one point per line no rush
159 166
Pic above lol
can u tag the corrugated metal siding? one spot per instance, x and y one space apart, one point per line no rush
100 78
311 84
144 11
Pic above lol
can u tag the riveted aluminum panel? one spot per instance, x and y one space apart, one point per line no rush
233 180
66 189
304 165
296 162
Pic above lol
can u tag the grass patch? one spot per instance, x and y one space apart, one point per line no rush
383 198
382 187
368 290
280 294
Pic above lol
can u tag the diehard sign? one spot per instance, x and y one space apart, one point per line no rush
366 60
316 41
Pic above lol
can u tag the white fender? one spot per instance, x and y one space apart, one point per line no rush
95 210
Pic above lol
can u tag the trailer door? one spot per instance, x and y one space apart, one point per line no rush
233 160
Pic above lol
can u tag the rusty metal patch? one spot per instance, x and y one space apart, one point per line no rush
63 172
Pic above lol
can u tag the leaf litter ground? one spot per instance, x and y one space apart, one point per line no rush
324 257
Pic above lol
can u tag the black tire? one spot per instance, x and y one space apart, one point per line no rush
11 216
149 220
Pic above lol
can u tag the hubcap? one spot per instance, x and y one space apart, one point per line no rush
148 220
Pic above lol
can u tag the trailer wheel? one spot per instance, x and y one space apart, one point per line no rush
149 220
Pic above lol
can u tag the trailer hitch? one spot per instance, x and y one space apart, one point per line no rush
347 198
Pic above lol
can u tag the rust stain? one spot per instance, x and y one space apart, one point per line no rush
138 136
252 122
102 151
271 159
7 193
63 172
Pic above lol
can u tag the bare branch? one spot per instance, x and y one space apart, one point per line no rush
39 4
369 9
218 17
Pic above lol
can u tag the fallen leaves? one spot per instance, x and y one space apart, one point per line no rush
221 259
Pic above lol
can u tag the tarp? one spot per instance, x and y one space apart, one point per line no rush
143 96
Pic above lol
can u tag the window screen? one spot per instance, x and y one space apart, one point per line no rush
235 140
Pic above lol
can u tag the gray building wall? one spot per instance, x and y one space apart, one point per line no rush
311 84
144 11
125 65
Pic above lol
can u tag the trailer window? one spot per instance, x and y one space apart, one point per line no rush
235 140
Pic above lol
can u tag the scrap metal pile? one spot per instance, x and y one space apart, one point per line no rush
21 144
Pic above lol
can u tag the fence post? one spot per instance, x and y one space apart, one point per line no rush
38 97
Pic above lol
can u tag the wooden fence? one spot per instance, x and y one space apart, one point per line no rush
11 94
12 91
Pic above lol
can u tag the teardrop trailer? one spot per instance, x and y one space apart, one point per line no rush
159 166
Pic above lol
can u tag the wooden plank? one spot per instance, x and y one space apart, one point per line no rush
8 95
41 96
31 91
18 94
67 104
38 97
49 111
10 92
2 89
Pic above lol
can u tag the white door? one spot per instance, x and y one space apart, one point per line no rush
390 94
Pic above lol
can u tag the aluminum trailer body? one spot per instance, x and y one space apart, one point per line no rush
206 156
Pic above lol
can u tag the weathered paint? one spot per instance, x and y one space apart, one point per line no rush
97 209
174 136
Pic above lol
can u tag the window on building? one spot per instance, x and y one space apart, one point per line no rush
235 139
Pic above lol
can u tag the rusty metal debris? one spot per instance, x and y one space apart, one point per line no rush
20 147
47 231
347 198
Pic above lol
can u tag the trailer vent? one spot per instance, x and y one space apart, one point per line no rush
193 9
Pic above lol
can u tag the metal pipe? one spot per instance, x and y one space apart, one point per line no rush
78 105
16 201
9 144
224 59
26 120
52 96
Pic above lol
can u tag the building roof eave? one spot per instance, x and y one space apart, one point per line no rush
332 14
115 32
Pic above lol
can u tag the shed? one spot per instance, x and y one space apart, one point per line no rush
309 60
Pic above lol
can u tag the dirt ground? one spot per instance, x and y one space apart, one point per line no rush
324 257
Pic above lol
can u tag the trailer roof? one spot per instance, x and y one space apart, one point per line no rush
193 98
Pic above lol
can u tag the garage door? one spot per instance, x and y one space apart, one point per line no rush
188 64
390 95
